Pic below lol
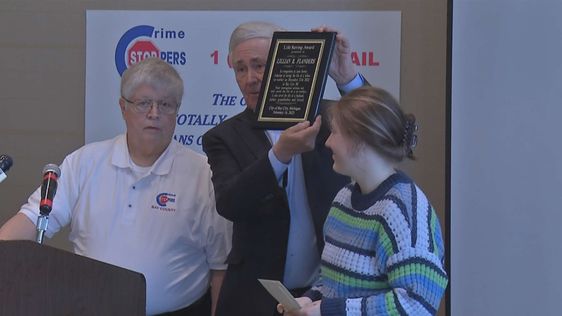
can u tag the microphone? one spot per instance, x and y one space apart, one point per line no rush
5 165
51 173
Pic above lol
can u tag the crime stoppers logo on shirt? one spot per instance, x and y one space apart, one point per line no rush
165 202
143 41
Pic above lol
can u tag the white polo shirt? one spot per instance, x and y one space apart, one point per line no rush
162 224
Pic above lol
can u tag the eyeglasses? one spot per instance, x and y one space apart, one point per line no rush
145 105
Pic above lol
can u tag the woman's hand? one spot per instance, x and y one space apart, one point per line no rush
308 308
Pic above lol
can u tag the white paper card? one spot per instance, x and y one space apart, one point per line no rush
280 293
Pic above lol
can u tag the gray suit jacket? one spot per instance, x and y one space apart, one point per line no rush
249 195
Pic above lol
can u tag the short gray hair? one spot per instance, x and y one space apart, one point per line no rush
249 30
156 73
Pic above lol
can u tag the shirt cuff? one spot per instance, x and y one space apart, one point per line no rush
314 295
32 216
276 164
355 83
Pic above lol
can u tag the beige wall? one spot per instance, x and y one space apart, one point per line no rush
42 85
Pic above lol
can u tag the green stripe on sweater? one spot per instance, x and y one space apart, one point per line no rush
351 281
390 303
420 269
371 224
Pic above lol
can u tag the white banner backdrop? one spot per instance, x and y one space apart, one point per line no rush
196 43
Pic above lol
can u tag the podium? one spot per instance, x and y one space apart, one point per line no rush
41 280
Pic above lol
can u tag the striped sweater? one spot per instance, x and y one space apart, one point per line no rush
383 253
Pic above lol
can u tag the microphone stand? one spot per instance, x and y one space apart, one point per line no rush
42 222
51 172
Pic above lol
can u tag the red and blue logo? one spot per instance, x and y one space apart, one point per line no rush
139 42
163 199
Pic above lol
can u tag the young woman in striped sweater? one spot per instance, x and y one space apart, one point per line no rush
384 249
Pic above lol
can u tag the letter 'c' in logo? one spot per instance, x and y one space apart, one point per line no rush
125 40
162 199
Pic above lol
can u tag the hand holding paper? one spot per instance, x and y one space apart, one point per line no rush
302 301
308 308
280 293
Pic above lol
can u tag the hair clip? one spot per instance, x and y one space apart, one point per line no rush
410 138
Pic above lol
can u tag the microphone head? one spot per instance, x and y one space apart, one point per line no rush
52 168
5 162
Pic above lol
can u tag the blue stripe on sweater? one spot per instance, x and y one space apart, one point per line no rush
354 291
334 225
399 307
352 248
432 310
350 236
353 212
400 204
431 247
389 233
427 286
363 307
419 260
355 275
414 229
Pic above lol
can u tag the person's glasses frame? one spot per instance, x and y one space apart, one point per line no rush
145 105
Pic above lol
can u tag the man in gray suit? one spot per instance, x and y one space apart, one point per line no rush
276 187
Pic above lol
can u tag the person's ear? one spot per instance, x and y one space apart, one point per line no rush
122 106
229 60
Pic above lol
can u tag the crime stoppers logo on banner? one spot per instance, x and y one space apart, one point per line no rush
139 42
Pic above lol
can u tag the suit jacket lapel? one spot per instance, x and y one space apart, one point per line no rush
254 138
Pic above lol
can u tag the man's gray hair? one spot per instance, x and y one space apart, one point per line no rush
249 30
156 73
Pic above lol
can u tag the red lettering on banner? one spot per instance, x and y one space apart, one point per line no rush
367 59
216 58
141 50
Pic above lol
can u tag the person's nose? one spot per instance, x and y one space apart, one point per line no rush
154 111
254 76
328 141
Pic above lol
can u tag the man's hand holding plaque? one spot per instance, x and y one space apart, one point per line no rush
294 78
297 139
